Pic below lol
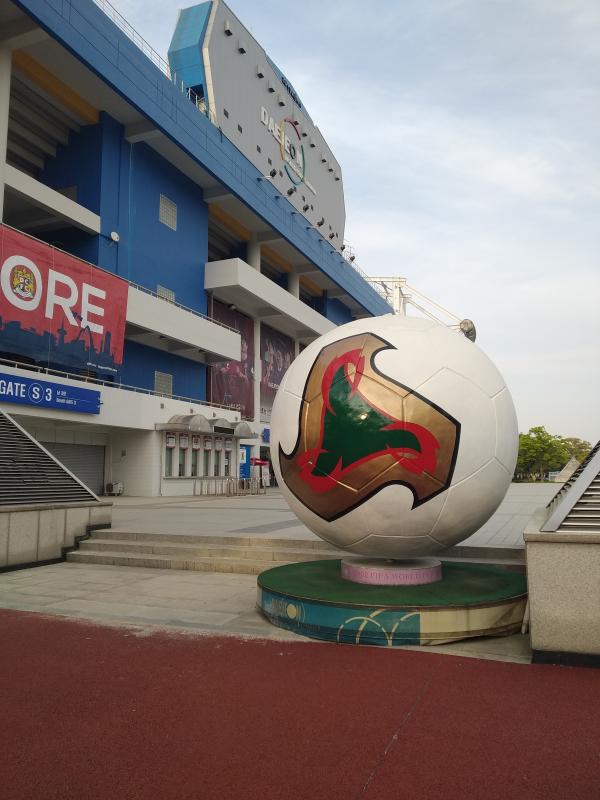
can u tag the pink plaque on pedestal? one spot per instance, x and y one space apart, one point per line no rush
384 572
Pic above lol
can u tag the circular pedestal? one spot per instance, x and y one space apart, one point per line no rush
386 572
312 598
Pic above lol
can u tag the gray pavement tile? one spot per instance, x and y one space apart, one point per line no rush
175 604
38 603
270 527
50 591
159 614
200 594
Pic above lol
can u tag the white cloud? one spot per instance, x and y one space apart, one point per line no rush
468 135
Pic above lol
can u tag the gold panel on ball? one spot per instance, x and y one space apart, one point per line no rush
359 430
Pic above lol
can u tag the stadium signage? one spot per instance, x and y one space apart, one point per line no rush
287 135
291 92
32 392
58 309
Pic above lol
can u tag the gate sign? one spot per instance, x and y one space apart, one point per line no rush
57 309
31 392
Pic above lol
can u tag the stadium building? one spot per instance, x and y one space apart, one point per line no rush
172 235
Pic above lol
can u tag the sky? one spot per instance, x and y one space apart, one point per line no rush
468 133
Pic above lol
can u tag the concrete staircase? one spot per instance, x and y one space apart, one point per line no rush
239 554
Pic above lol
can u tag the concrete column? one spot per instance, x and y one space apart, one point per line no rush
294 284
5 70
253 253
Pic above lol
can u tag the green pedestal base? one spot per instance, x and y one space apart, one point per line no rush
312 599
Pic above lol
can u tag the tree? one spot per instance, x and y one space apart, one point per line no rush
578 448
540 452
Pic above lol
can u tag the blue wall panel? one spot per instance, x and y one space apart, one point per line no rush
122 183
140 362
78 163
337 312
159 255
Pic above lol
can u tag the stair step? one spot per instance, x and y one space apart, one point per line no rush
239 566
201 539
583 514
259 552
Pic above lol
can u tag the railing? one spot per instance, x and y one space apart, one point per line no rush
114 385
180 305
349 255
129 31
227 486
147 49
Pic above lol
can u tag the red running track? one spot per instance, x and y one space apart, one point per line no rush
91 712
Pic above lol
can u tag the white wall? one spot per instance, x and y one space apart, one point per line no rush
136 460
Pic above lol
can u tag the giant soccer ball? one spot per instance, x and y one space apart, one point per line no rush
394 437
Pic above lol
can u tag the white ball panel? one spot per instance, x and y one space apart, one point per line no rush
473 409
406 363
395 547
284 423
471 503
391 509
339 533
457 352
507 431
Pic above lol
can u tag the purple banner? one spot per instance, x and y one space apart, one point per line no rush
231 383
276 355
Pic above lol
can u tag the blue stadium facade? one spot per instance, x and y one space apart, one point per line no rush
114 157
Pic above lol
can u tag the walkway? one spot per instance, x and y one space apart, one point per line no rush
94 712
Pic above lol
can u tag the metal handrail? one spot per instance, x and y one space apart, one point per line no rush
114 385
184 308
129 31
147 49
225 485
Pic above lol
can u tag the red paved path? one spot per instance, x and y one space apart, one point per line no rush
92 712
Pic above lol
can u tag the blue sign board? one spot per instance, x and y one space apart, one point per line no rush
32 392
266 435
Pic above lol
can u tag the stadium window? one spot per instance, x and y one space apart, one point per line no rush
165 293
168 462
167 213
163 383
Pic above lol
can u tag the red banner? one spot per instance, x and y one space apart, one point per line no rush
58 310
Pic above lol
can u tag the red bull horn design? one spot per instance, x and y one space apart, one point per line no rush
360 431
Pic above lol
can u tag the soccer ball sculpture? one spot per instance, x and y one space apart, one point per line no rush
393 437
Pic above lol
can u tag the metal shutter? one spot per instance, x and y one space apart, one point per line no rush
86 461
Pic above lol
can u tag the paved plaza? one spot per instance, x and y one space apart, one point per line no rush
269 515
